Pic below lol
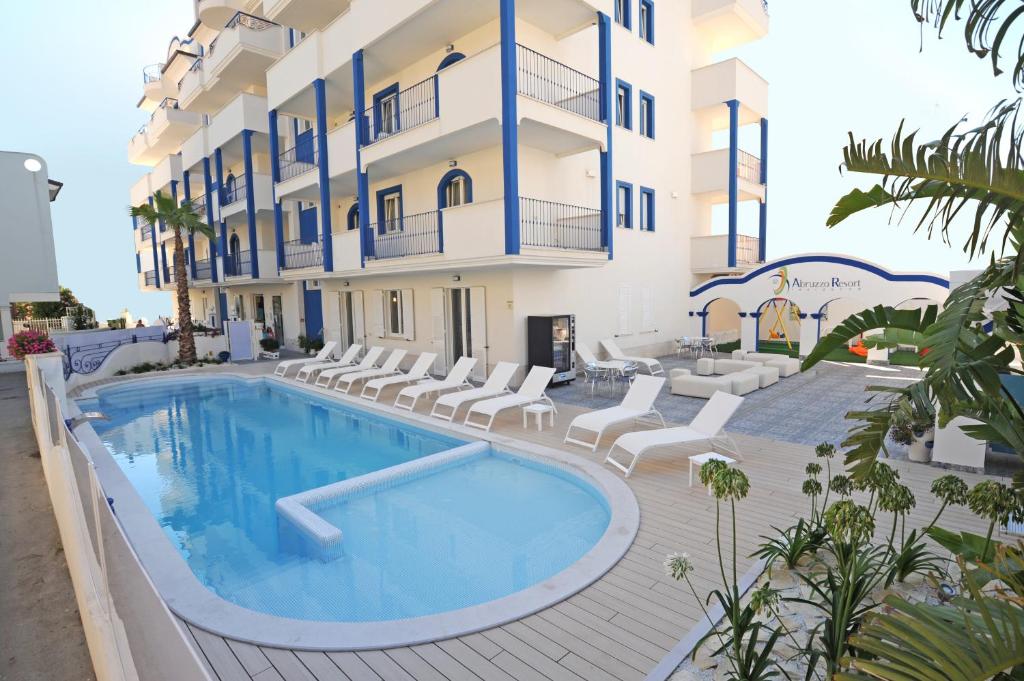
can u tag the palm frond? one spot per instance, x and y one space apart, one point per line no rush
981 167
878 318
982 18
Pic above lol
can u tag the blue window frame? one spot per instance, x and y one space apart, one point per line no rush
645 20
389 209
386 118
450 59
454 189
646 209
646 114
623 104
622 16
624 205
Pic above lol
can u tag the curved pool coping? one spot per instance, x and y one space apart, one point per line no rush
188 598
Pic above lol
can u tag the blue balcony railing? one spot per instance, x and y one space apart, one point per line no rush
238 264
152 73
405 236
555 83
300 254
559 225
199 206
204 270
235 192
412 107
249 21
197 66
150 276
301 158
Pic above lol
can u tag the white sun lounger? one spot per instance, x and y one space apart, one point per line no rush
325 352
418 371
637 404
388 368
530 392
707 426
497 384
348 358
369 362
653 366
457 379
588 357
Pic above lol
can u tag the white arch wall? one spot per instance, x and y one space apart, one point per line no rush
811 281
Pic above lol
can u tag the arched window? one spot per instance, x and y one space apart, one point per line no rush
450 59
352 221
455 189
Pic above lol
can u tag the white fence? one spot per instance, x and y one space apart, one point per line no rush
129 630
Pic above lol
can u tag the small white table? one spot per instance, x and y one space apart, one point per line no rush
538 410
701 459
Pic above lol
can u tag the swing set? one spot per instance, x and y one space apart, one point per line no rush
778 330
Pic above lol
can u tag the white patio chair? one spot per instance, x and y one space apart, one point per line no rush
653 366
530 392
496 384
707 426
637 404
457 379
348 358
369 361
325 352
389 367
417 372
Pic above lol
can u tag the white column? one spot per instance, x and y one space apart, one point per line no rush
748 333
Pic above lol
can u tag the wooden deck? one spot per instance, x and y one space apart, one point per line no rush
621 626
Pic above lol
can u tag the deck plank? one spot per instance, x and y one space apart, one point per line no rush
321 666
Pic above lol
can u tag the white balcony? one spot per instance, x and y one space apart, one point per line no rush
168 127
244 112
710 254
341 159
194 150
191 95
242 52
234 203
710 174
713 85
724 24
304 15
215 13
288 81
164 172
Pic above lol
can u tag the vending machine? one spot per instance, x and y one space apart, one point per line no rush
551 342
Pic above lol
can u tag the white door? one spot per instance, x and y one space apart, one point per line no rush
439 330
478 330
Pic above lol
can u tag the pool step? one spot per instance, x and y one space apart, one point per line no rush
298 513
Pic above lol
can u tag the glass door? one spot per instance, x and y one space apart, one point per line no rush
561 344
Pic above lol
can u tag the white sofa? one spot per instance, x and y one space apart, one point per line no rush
688 385
730 366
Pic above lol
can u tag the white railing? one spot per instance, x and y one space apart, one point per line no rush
129 630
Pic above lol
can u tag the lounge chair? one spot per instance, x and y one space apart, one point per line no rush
588 357
496 384
530 392
325 352
653 366
347 358
369 362
706 426
418 371
637 404
457 379
389 367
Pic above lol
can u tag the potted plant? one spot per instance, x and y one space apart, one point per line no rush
29 342
269 344
304 344
918 435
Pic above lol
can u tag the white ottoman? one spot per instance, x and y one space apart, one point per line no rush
787 366
743 382
705 366
678 372
700 386
738 354
766 375
762 357
728 366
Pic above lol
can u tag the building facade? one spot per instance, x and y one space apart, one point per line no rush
430 173
28 261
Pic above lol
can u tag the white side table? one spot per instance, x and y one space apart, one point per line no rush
538 409
701 459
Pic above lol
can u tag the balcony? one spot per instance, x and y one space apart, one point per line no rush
710 175
199 206
191 96
458 111
169 275
234 199
301 255
710 254
240 56
304 15
724 24
234 193
147 231
406 236
153 87
238 264
727 80
295 166
215 13
168 127
204 270
150 278
546 224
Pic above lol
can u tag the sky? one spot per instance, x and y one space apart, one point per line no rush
843 67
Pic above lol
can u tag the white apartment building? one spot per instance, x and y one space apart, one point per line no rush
429 173
28 262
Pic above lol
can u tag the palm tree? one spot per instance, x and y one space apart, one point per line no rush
178 218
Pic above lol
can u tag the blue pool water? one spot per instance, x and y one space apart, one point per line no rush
211 456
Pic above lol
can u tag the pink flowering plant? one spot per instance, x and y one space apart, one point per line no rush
30 342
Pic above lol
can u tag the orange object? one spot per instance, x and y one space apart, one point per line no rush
859 349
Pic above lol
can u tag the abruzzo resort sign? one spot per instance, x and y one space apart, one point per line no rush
808 283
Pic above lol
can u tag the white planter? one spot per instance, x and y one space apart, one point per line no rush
919 450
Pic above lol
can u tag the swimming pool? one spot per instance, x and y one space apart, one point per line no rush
210 458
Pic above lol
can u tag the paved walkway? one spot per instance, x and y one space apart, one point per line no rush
41 636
